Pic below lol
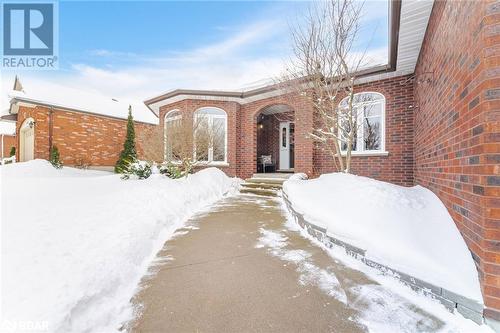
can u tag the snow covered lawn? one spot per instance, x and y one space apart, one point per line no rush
75 244
407 229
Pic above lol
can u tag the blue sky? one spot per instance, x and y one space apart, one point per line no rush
138 49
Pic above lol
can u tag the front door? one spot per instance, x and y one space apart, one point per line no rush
27 143
284 145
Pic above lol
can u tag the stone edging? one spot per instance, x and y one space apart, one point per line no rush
468 308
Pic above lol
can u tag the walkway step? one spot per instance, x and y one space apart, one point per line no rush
259 191
269 186
265 180
273 175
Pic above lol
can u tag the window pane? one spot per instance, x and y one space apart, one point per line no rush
283 137
202 138
354 142
347 129
173 140
168 141
373 110
211 111
372 133
173 114
362 98
219 139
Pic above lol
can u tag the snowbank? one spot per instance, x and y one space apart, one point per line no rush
407 229
76 243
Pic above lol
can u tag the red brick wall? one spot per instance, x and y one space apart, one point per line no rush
248 143
243 147
9 141
397 167
457 127
189 106
242 131
80 137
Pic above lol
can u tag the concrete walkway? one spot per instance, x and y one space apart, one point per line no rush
238 268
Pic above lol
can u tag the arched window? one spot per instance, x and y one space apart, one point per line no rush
210 135
173 124
369 110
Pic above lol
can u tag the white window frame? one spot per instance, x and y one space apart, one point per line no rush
360 144
211 117
166 120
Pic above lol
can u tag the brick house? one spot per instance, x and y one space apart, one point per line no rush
437 120
87 128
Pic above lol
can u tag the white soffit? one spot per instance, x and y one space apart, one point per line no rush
414 19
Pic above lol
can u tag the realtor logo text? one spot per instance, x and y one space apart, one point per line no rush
29 35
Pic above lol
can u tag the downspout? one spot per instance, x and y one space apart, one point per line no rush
51 128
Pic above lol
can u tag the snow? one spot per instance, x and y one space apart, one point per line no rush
41 91
385 306
76 243
309 273
405 228
7 127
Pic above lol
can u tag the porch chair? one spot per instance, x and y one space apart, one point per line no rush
266 161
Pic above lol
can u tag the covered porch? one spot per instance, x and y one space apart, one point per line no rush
276 139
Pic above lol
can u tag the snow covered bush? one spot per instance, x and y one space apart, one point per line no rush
175 171
137 168
8 160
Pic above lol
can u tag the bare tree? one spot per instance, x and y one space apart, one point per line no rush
323 71
152 144
184 141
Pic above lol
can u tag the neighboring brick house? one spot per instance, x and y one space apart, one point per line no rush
88 129
437 123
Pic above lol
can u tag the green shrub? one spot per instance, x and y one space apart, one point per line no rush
12 151
55 158
129 153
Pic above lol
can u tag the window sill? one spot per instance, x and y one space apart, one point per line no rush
367 154
218 164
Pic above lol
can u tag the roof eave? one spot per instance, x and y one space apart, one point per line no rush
394 24
65 108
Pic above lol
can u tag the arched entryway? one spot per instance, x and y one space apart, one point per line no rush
276 139
27 140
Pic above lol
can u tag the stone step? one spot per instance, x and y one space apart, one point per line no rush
273 175
269 186
265 180
259 191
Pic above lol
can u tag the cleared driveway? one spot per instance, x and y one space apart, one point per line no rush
238 268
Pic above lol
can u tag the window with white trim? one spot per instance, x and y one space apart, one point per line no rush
369 110
173 123
210 135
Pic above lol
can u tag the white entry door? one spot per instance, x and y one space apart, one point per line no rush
27 143
285 145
